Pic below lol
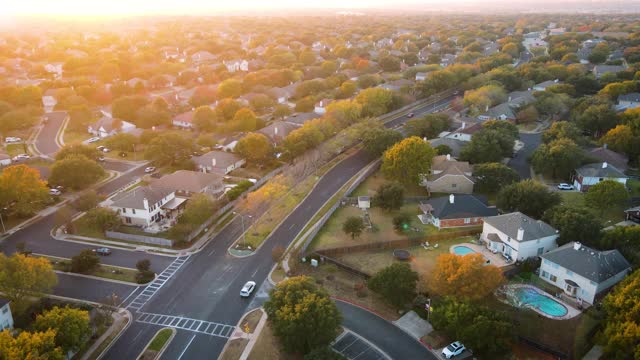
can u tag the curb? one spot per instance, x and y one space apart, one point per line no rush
115 339
59 139
100 278
164 347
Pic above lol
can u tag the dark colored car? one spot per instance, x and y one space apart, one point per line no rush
102 251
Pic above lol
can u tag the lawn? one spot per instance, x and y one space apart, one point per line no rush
160 339
250 321
267 347
103 271
331 235
71 136
609 217
82 227
254 171
371 185
234 349
634 187
15 149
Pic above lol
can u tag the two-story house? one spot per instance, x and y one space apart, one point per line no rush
591 174
144 205
108 126
517 236
218 162
456 211
6 318
187 183
582 272
449 175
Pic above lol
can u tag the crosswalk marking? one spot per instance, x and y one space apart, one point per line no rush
188 324
147 293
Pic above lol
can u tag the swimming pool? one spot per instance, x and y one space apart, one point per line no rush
539 302
462 250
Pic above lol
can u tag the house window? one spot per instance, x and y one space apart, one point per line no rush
467 220
124 210
545 274
127 220
454 185
553 278
555 266
569 272
540 250
133 211
5 310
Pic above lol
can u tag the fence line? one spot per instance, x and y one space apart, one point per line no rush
543 347
344 266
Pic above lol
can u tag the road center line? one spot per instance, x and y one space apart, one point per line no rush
254 273
186 347
212 251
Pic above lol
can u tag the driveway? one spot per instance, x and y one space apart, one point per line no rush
519 163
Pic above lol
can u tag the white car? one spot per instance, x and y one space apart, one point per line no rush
12 139
247 289
55 192
93 139
149 169
21 157
565 186
105 150
453 349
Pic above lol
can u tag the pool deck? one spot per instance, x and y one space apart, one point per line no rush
495 259
571 311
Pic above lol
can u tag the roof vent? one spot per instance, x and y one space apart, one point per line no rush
604 165
577 245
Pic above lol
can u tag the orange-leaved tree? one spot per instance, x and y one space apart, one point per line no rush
464 277
22 191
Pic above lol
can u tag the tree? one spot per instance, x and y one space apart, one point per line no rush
402 222
324 353
375 101
491 177
346 112
227 108
85 262
488 145
127 107
102 218
484 97
528 196
389 63
143 265
527 115
86 201
75 172
562 129
396 283
199 208
597 119
390 196
347 89
377 140
281 111
621 334
204 118
428 126
72 326
465 277
408 160
619 139
261 102
303 317
230 88
23 278
255 147
28 345
21 190
144 274
558 158
245 120
574 222
77 149
169 149
353 226
605 195
121 142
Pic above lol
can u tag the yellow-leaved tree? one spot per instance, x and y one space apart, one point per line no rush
465 277
24 278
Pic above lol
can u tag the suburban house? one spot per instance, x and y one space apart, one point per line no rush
545 84
449 175
517 236
628 101
600 70
6 318
203 56
321 106
108 126
456 211
503 111
145 205
187 183
464 132
184 120
281 95
633 214
5 159
49 100
300 118
591 174
236 65
454 144
604 154
421 76
582 272
220 162
278 130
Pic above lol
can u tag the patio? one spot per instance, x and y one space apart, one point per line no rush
494 259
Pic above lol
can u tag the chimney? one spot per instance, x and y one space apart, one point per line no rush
451 198
424 139
605 146
604 165
275 131
213 162
464 124
486 108
509 99
577 245
520 235
448 157
145 203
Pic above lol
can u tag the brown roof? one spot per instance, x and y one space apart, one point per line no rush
440 163
470 129
450 171
616 159
191 181
184 117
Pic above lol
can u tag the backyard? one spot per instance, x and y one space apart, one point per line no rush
72 136
609 217
371 185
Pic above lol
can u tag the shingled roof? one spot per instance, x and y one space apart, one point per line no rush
597 266
463 206
510 223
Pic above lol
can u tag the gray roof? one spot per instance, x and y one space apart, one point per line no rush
278 130
632 97
223 159
619 161
502 109
601 69
510 223
191 181
4 301
134 199
597 170
301 118
464 206
455 145
592 264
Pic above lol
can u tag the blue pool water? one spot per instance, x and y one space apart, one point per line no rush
462 250
542 303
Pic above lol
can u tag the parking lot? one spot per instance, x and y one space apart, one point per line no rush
354 347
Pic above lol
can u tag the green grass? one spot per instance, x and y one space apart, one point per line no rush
608 217
160 339
634 186
371 185
83 228
103 271
72 136
15 149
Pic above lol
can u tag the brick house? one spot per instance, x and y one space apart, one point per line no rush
456 211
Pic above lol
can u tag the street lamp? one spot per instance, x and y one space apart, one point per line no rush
244 234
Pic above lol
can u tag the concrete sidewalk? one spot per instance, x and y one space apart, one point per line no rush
119 318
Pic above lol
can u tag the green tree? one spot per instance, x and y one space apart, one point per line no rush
75 172
127 107
443 149
621 334
86 201
77 149
528 196
389 196
261 102
574 222
230 88
597 119
491 177
396 283
169 149
102 218
204 118
606 194
558 158
375 101
72 326
144 274
408 160
624 238
22 191
562 129
353 226
402 222
24 278
31 346
490 144
85 262
303 317
245 120
255 147
377 140
428 126
281 111
122 142
199 208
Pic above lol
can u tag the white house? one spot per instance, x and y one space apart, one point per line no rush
628 101
421 76
144 205
464 132
545 84
6 318
582 272
184 120
108 126
321 106
591 174
218 162
236 65
49 100
5 159
517 236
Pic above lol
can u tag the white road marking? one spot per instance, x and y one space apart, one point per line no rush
254 273
140 332
212 251
186 347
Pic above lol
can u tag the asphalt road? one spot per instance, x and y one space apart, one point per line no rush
520 163
76 287
46 140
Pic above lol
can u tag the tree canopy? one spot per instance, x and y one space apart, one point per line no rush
21 190
255 147
491 177
72 326
396 283
528 196
377 140
76 172
465 277
23 278
621 334
408 160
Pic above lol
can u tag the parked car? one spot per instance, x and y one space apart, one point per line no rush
21 157
12 139
106 150
55 192
453 349
156 175
102 251
93 139
247 289
565 186
150 169
218 147
410 115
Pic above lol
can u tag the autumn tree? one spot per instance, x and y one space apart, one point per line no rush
72 326
28 345
245 120
87 151
560 130
85 262
621 334
408 160
606 194
75 172
230 88
102 218
353 226
303 316
528 196
255 147
281 111
620 139
204 118
396 283
377 140
491 177
21 190
375 101
169 149
389 196
227 108
24 278
428 126
465 277
122 142
558 158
